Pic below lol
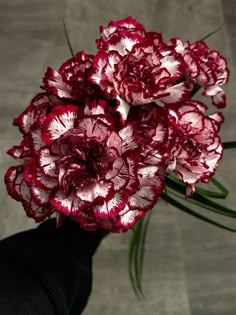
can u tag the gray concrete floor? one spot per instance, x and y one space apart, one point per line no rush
190 266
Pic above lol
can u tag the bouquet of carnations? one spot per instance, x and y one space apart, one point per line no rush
112 131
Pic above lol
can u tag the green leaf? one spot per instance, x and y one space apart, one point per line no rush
207 204
184 208
68 38
223 191
146 220
229 145
214 207
133 248
211 33
136 254
220 186
132 245
202 201
178 189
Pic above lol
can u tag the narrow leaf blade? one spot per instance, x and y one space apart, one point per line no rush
68 38
184 208
229 145
211 33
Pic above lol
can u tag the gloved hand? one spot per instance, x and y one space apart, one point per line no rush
47 270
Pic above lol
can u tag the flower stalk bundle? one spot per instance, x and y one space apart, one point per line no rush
114 132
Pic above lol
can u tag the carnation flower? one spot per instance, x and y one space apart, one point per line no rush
29 123
198 148
19 189
85 169
140 73
135 205
155 134
117 29
20 179
205 67
71 82
99 144
182 140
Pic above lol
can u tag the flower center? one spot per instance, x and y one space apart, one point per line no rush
85 164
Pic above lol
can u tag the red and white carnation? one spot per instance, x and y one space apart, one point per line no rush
99 143
120 29
140 73
198 148
85 167
182 140
71 82
205 67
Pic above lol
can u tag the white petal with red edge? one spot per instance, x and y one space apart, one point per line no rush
41 100
122 222
36 139
177 93
160 133
119 175
173 66
171 166
124 44
200 106
54 83
137 98
144 199
99 190
100 61
157 182
40 196
59 122
27 120
32 209
114 141
11 176
128 219
218 119
21 188
217 94
38 213
69 205
38 107
122 108
212 90
187 176
113 59
152 157
44 181
47 162
193 119
19 151
127 135
107 31
179 46
148 171
94 128
112 207
219 100
190 189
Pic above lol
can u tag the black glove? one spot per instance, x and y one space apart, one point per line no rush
47 270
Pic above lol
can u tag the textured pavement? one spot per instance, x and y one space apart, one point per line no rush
189 265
